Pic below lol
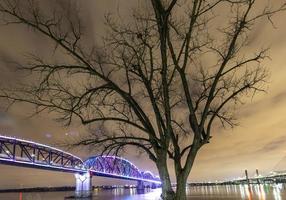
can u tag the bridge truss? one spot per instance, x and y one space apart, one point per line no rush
24 153
14 151
116 167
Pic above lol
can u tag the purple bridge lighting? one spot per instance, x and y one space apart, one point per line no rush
116 167
24 153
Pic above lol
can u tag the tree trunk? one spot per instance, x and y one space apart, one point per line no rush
181 188
167 191
182 174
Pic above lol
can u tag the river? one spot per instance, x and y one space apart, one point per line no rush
237 192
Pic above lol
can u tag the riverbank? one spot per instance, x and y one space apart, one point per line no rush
61 189
39 189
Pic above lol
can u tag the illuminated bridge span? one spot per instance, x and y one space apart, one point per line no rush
116 167
24 153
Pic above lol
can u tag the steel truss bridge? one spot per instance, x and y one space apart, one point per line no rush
24 153
273 177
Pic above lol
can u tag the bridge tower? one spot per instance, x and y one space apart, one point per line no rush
83 185
257 175
246 176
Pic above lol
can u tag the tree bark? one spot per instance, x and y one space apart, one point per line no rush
167 191
183 173
181 188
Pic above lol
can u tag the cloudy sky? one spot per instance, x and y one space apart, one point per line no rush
259 142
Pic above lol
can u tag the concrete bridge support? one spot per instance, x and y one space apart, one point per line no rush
140 185
83 185
154 185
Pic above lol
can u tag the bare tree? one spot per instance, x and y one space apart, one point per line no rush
147 71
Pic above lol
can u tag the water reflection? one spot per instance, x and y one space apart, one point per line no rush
234 192
277 192
249 192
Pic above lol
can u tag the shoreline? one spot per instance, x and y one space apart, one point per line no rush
39 189
56 189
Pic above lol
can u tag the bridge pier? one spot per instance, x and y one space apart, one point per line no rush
154 186
140 185
83 185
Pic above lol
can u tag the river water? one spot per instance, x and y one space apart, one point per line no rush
254 192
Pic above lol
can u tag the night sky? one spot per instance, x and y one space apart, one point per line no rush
258 142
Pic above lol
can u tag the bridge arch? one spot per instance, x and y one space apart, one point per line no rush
114 166
147 175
